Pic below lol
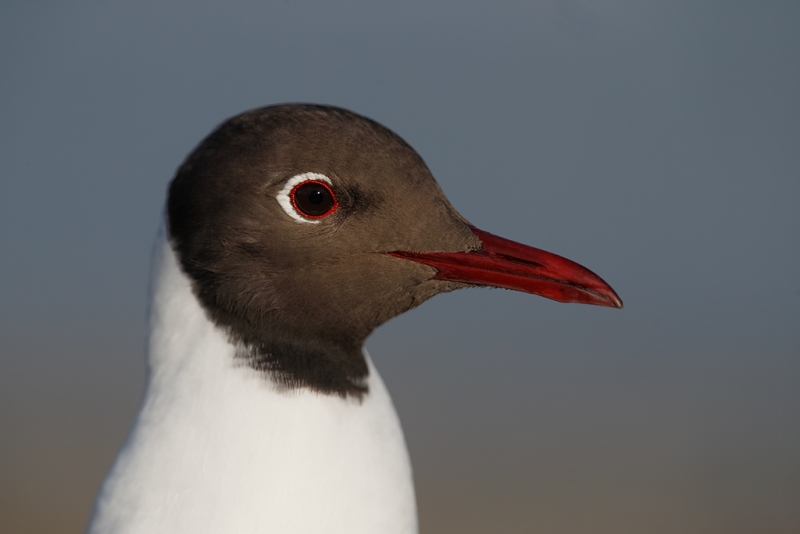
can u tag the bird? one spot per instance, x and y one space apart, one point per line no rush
290 233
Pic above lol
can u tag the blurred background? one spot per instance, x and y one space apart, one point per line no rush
657 143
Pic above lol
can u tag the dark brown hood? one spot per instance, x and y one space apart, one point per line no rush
300 299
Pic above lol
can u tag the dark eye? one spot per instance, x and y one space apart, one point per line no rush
313 199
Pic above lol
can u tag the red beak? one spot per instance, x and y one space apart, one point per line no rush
505 263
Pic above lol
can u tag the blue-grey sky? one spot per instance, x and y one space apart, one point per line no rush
657 143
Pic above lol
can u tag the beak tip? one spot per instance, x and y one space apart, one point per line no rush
613 300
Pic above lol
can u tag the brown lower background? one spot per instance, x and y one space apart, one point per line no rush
541 446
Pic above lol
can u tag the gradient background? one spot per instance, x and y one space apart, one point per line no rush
657 143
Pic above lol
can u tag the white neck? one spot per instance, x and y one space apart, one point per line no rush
217 448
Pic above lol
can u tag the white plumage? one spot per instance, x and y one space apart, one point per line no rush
217 448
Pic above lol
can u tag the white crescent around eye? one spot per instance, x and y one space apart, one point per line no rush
286 203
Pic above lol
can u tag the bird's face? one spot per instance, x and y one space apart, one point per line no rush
303 228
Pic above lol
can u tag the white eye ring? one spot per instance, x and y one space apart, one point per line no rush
286 203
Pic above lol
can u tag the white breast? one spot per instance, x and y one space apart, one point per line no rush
217 448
